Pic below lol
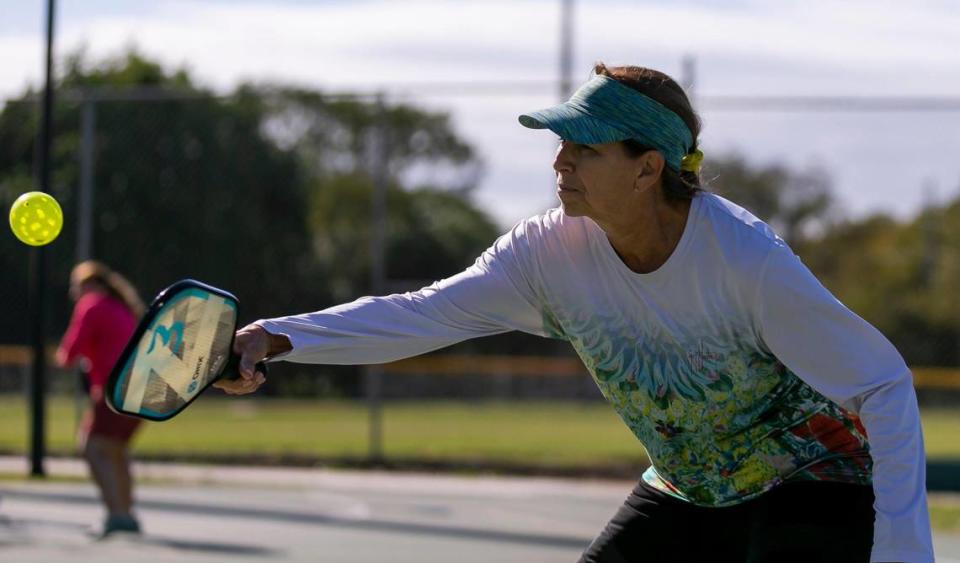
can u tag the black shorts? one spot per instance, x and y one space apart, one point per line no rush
809 521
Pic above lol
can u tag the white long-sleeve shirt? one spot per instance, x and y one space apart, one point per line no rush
731 363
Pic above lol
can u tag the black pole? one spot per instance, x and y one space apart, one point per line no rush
374 372
566 49
38 272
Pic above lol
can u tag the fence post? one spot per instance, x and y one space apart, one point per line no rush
373 374
688 78
84 249
88 127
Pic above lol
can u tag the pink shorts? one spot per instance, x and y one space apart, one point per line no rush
99 420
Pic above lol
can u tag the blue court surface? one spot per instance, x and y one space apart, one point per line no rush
196 513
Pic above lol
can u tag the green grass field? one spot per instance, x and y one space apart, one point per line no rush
945 515
545 434
533 433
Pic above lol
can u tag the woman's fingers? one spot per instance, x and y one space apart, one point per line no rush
241 386
252 344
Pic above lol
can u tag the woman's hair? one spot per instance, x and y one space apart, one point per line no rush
113 283
662 88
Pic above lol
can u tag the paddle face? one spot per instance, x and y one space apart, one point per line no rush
182 345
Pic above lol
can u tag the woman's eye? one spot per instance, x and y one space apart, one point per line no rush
579 148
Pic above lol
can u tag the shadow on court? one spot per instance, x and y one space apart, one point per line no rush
21 525
208 547
301 518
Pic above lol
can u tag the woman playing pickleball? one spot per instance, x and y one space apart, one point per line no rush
105 314
780 426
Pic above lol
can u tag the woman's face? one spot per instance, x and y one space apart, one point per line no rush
602 181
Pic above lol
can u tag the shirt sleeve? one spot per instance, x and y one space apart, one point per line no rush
850 362
490 297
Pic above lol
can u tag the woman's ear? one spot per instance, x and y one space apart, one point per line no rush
649 168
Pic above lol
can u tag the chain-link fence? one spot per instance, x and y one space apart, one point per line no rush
295 200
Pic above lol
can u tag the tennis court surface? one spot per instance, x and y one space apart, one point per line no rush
194 513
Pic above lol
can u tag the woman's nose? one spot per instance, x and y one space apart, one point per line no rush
562 161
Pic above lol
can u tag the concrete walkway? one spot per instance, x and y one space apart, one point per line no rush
205 513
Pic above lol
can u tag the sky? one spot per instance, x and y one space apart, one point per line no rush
889 162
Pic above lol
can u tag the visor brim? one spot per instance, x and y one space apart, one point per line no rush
573 124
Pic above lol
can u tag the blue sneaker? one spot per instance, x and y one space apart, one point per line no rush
120 523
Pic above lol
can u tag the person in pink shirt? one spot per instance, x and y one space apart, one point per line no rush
104 317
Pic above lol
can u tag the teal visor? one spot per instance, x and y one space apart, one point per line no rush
605 111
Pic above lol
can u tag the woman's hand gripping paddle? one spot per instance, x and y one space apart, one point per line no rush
183 344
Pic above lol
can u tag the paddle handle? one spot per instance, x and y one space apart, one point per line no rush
232 369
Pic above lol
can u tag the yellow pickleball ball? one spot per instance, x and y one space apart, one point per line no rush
36 218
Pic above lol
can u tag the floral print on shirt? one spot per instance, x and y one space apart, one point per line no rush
722 420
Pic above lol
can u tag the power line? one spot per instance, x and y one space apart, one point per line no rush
831 103
498 88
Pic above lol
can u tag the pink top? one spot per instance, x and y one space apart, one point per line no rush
99 330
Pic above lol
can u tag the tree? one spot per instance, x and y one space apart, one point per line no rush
432 234
337 135
795 204
221 188
432 229
900 276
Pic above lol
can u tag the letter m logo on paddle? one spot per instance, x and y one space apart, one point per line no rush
164 333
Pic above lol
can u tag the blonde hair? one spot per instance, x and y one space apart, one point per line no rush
112 282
